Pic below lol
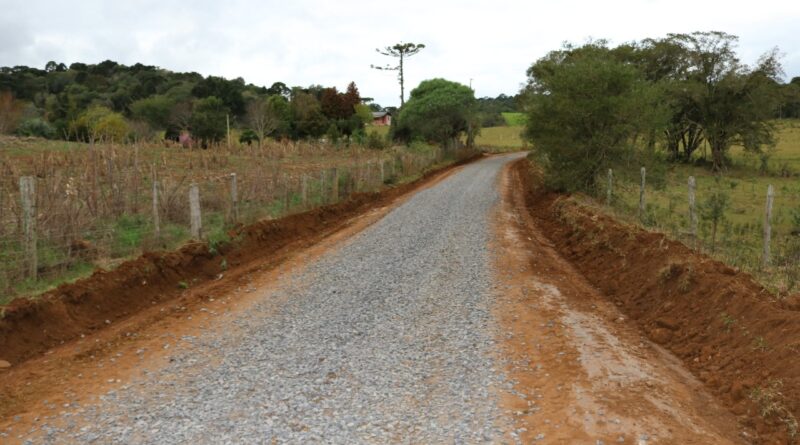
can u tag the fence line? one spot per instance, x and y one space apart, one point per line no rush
75 211
749 244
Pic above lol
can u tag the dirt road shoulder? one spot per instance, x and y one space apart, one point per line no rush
582 372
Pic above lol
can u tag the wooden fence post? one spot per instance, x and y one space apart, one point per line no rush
609 192
27 193
641 195
156 219
194 211
286 197
228 129
234 199
304 191
767 227
335 186
322 194
692 212
383 162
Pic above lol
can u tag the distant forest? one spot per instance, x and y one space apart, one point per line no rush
114 102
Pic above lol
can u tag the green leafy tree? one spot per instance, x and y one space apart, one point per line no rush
438 110
99 123
208 120
364 113
307 119
112 128
279 89
400 51
228 91
585 109
155 110
730 102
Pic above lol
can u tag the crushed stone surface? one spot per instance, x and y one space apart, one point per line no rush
387 339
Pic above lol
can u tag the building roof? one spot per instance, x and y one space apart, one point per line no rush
380 114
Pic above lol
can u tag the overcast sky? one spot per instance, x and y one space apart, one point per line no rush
301 42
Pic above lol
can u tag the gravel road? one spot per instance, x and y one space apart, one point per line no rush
387 339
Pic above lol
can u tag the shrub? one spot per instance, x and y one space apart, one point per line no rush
37 127
375 141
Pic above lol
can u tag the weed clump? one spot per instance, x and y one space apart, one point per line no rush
772 405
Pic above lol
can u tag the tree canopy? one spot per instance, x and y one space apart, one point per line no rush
438 110
593 105
400 51
584 108
61 101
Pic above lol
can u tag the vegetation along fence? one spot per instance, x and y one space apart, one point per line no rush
64 213
751 225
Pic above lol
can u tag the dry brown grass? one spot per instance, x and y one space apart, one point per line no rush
94 202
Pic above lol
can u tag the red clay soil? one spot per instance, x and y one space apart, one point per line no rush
29 328
727 329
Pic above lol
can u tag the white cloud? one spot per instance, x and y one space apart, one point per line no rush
332 43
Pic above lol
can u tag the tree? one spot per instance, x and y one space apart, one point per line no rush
279 89
729 102
155 110
400 51
228 91
332 105
351 98
790 106
364 113
307 119
180 120
112 128
584 110
438 110
264 117
99 123
208 120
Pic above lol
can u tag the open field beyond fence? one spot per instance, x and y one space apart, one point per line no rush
740 232
94 206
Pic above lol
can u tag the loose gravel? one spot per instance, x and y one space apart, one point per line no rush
388 339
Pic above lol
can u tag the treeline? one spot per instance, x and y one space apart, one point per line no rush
490 109
113 102
594 106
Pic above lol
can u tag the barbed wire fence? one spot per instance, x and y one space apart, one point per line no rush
763 244
65 214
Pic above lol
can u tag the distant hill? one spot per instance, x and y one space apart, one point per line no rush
64 101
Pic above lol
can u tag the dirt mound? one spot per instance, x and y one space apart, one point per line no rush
29 328
728 330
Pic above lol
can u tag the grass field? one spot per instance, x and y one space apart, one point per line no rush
501 139
740 233
514 119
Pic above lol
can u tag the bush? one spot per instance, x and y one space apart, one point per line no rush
36 127
375 141
248 136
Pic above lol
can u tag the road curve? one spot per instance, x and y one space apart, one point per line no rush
387 339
